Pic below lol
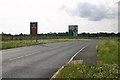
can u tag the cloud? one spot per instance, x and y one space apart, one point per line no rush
62 7
94 12
119 16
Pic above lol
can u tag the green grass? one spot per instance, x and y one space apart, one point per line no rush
22 43
89 71
106 67
108 52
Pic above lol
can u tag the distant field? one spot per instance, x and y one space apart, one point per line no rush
106 67
22 43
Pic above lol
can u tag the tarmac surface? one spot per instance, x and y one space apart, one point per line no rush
89 54
42 61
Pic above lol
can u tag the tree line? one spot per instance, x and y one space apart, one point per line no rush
51 35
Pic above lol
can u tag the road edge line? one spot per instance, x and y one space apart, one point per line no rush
76 54
67 63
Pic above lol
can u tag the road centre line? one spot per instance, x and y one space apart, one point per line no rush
25 55
21 57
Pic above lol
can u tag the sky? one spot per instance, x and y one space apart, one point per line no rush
55 15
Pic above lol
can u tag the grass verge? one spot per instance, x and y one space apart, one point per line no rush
106 67
108 52
22 43
89 71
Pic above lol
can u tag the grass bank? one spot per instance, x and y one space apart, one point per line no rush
108 52
106 67
22 43
89 71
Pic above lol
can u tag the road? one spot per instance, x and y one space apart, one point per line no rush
88 54
40 61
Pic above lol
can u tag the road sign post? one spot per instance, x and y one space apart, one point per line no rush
33 29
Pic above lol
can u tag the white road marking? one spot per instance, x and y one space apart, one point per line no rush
67 63
76 54
21 56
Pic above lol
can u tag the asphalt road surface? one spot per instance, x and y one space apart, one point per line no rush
40 61
88 54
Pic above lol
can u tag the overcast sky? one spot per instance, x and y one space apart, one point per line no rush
55 15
